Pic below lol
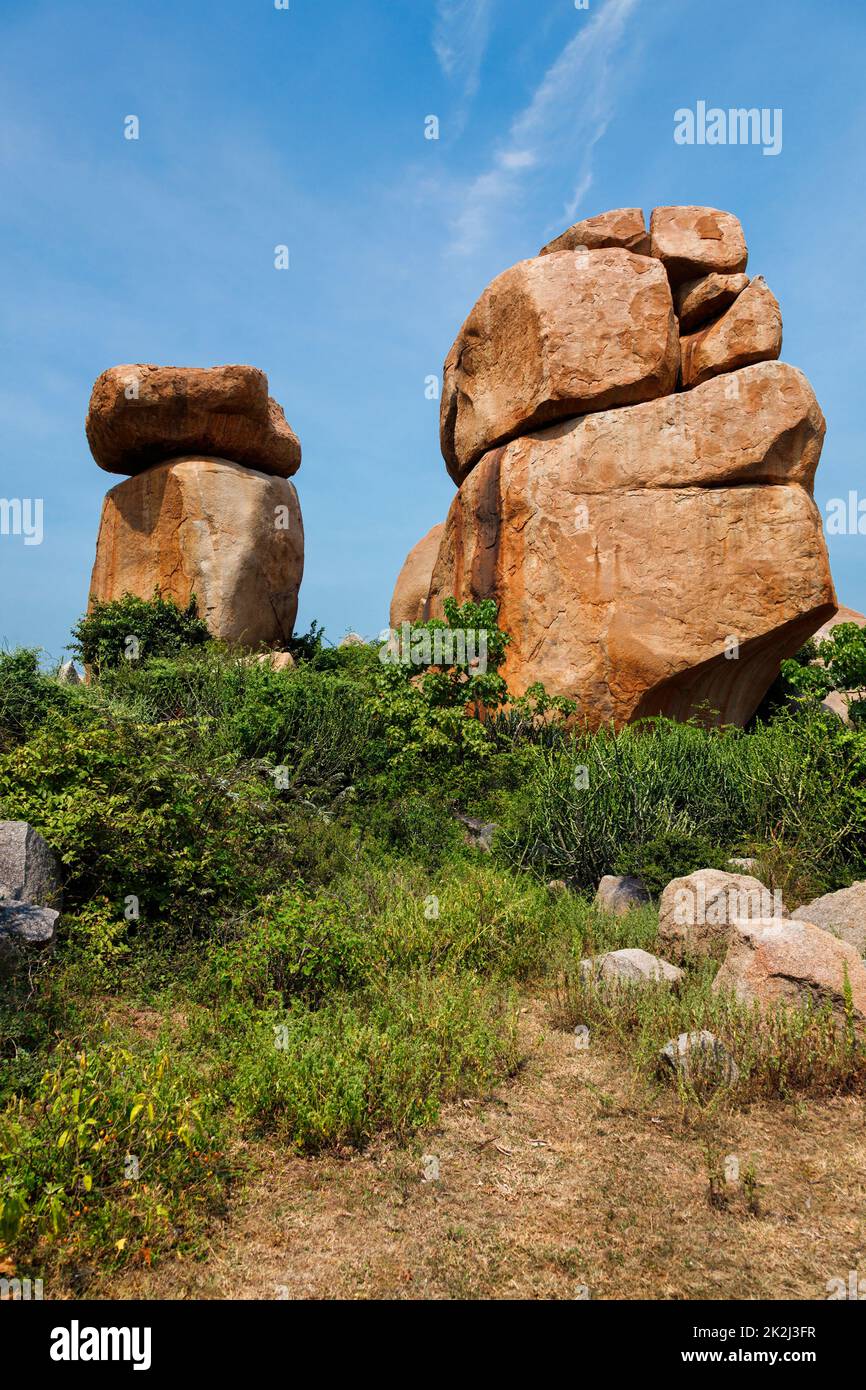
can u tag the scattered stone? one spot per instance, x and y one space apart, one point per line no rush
353 639
697 912
68 674
842 913
632 966
413 581
207 527
619 893
29 869
750 331
557 886
694 241
555 337
744 866
142 415
698 301
700 1056
479 833
772 962
623 227
624 507
24 927
278 661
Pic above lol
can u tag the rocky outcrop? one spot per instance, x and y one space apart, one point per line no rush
793 962
413 581
697 911
615 507
141 415
749 331
207 510
842 913
620 549
623 227
554 337
209 527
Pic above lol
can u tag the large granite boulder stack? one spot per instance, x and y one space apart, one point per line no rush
207 508
635 471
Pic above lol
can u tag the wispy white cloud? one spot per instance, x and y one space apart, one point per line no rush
560 126
460 37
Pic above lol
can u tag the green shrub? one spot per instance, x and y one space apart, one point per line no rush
27 696
132 629
666 857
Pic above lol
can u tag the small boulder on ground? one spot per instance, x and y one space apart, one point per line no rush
632 966
696 912
477 832
774 962
29 869
843 914
623 227
619 893
24 927
700 1056
278 661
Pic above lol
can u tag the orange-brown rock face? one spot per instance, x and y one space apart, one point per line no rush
698 301
141 415
655 558
206 526
692 241
413 581
623 227
554 337
749 331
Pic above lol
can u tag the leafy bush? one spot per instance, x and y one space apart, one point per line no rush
131 629
666 857
27 696
836 663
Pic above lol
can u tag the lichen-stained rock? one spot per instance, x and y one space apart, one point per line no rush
553 337
693 241
29 869
210 527
698 301
623 227
141 415
413 581
793 962
652 560
749 331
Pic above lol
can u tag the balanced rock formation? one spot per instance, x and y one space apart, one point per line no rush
207 510
635 483
141 415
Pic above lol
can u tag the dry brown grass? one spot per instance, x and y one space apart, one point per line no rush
575 1173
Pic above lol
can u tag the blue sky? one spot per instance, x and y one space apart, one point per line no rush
306 127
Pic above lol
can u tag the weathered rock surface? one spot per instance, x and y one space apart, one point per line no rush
694 241
621 548
698 301
619 893
697 912
29 868
141 415
24 927
843 914
413 581
632 966
842 615
700 1056
792 962
749 331
210 527
68 674
554 337
623 227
